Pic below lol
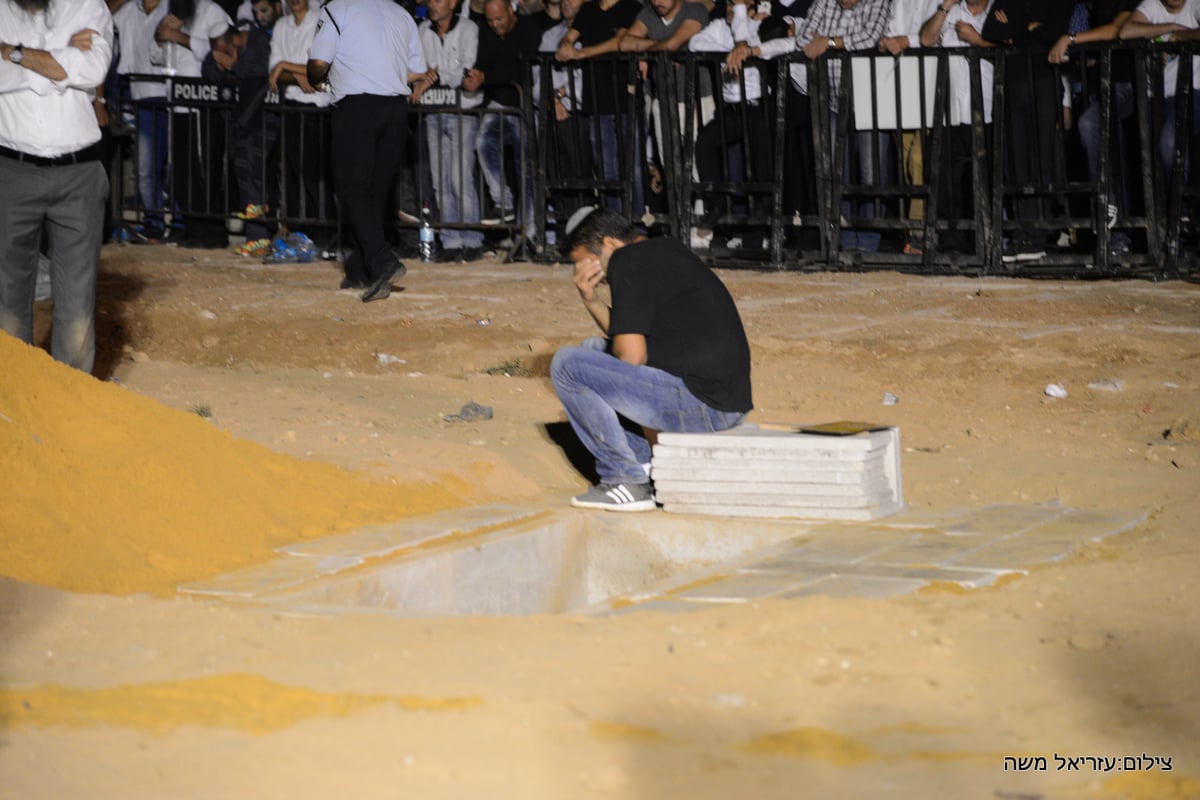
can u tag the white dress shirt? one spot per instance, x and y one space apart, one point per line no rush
720 36
135 30
290 41
49 118
209 22
960 68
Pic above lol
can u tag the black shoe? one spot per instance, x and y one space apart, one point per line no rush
502 216
476 253
347 283
382 287
1022 251
149 233
449 255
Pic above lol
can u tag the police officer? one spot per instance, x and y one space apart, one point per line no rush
369 51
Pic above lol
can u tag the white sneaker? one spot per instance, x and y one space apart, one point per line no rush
617 497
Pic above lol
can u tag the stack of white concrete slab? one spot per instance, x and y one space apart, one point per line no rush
843 470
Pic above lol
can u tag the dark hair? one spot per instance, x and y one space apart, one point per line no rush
591 230
184 9
772 28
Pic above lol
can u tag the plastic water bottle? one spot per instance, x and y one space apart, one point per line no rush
427 244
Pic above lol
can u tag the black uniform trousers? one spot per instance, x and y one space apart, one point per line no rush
368 139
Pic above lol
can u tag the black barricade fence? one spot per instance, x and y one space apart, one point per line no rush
472 173
179 170
937 160
593 125
1178 148
301 196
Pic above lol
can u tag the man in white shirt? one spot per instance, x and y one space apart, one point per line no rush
305 134
370 52
53 54
1175 21
184 38
451 44
568 146
735 145
135 22
957 24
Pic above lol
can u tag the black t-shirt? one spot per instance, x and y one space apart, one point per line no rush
1104 12
499 59
604 80
661 290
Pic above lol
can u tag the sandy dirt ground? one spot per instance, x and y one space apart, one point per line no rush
916 697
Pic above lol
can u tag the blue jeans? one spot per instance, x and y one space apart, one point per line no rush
866 241
1166 140
453 169
609 143
598 390
152 161
1089 132
496 132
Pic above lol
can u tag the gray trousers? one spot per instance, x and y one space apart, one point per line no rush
68 203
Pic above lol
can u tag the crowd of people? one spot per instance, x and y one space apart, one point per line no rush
469 158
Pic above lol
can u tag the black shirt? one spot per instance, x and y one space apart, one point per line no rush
1053 16
1104 12
499 59
604 80
661 290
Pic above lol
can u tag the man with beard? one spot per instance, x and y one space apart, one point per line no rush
53 55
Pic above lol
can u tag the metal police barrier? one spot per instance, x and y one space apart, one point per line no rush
728 182
590 119
180 170
1179 150
873 109
875 152
472 173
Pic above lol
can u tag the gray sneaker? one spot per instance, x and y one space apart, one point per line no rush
617 497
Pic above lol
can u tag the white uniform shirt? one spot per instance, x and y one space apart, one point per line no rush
452 55
135 29
1189 17
370 45
907 18
49 118
960 68
290 41
209 22
720 36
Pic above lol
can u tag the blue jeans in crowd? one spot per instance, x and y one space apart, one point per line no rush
867 241
608 146
1166 140
152 162
497 132
453 169
1089 133
598 390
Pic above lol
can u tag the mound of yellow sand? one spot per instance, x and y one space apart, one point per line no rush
102 490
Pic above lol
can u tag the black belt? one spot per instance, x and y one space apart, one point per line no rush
90 153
